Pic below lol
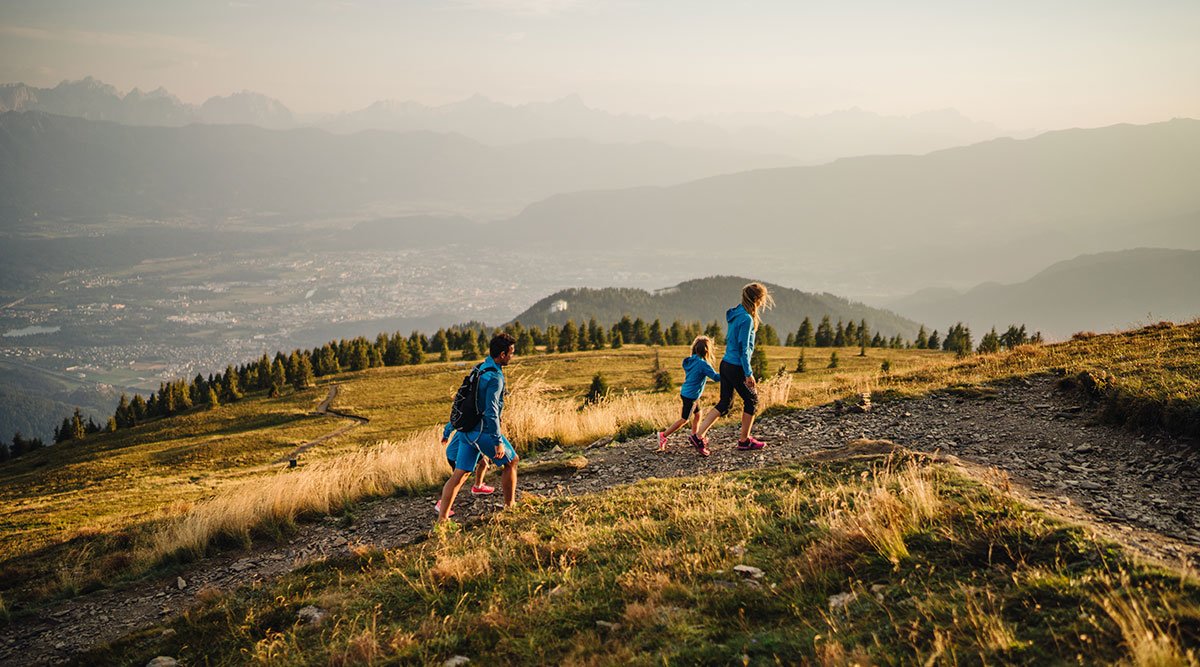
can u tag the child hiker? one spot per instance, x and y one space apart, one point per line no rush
699 370
736 375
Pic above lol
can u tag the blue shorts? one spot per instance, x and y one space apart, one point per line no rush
466 454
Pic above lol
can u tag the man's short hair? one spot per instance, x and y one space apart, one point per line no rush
500 343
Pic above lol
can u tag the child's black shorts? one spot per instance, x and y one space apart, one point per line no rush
689 406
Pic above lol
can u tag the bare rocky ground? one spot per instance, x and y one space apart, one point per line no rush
1143 491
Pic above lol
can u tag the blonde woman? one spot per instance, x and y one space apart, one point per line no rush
697 371
736 375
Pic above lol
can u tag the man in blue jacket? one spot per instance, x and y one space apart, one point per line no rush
486 439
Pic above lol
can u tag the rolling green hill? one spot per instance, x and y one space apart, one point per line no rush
706 300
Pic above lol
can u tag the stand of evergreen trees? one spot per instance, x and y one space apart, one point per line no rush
19 446
300 368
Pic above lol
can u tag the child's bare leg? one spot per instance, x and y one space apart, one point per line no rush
695 420
707 422
481 471
674 427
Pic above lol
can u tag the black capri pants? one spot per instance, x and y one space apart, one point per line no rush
733 379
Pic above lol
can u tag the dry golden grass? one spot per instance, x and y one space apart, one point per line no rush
411 464
533 414
890 501
1144 637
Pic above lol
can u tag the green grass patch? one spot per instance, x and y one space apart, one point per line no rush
876 559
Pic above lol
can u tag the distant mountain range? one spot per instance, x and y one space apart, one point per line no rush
56 166
95 100
1000 209
1101 292
807 139
706 300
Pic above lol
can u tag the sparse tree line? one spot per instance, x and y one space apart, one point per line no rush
300 369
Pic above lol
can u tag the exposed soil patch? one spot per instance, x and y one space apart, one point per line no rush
1139 490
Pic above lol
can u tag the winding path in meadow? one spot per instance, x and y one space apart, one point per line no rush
324 409
1140 490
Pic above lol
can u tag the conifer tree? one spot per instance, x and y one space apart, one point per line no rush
137 409
112 425
441 345
582 342
470 351
122 414
851 333
416 349
758 363
304 373
922 338
625 325
804 336
230 390
568 339
525 344
263 373
934 343
675 335
833 360
790 341
864 338
618 339
552 334
641 332
801 363
598 391
213 401
839 336
824 335
655 336
990 343
78 427
713 331
768 335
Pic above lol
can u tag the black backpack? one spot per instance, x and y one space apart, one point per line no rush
464 412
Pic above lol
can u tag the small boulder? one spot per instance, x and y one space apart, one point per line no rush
180 583
840 601
456 661
163 661
749 571
608 625
311 615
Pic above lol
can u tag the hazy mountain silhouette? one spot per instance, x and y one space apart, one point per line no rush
60 166
812 139
95 100
706 300
1101 292
998 209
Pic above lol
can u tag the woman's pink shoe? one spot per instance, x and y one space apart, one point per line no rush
750 444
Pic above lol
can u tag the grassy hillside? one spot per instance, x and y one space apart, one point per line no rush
85 514
706 300
863 559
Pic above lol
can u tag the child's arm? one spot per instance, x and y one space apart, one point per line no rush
711 372
446 432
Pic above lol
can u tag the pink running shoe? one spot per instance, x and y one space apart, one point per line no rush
482 490
662 441
700 444
437 508
750 444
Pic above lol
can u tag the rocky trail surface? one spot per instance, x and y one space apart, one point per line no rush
1143 491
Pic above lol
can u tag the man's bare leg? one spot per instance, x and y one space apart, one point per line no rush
450 492
508 480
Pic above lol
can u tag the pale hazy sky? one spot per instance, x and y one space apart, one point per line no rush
1020 64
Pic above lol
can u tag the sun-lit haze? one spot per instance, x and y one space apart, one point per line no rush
1019 65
